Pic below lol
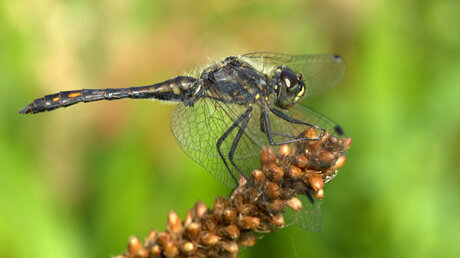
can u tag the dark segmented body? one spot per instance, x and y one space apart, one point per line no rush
179 89
233 81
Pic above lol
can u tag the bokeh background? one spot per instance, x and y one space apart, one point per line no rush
78 182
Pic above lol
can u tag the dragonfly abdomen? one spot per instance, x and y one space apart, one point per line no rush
176 89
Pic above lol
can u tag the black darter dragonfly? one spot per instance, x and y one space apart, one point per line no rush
233 108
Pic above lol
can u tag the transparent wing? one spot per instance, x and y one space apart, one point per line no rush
197 130
308 218
320 72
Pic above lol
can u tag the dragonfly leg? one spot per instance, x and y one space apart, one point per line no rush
245 115
287 118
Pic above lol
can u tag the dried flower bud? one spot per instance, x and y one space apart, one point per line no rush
232 231
174 223
339 163
272 190
326 157
346 143
193 229
247 239
200 209
230 247
278 219
187 248
156 251
267 155
295 172
258 176
250 222
218 207
163 237
210 239
170 249
276 172
319 194
151 238
310 133
312 146
134 245
301 161
294 203
284 150
229 215
277 205
142 253
188 218
316 181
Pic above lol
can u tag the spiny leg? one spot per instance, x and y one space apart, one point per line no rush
270 134
247 116
263 130
224 136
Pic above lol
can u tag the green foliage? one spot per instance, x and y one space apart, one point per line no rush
78 182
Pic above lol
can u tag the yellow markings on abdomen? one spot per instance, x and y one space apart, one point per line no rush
55 99
75 94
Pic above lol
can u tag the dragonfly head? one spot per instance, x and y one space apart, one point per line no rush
289 88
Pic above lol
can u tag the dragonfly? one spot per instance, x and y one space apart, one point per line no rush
232 108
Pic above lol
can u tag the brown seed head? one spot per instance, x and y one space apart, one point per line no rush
188 217
277 205
187 248
192 229
312 147
339 163
284 150
210 239
200 209
267 155
134 245
326 157
247 239
250 222
170 249
156 251
319 194
295 172
310 133
229 215
151 238
346 143
294 203
142 253
232 231
218 207
301 161
163 237
316 181
230 247
174 223
258 176
272 190
276 172
278 219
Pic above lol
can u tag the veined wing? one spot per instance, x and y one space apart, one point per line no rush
197 130
319 72
308 218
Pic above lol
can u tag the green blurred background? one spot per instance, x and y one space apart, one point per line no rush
78 182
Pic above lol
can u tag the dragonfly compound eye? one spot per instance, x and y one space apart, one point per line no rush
288 79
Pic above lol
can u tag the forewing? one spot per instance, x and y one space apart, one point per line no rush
319 72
